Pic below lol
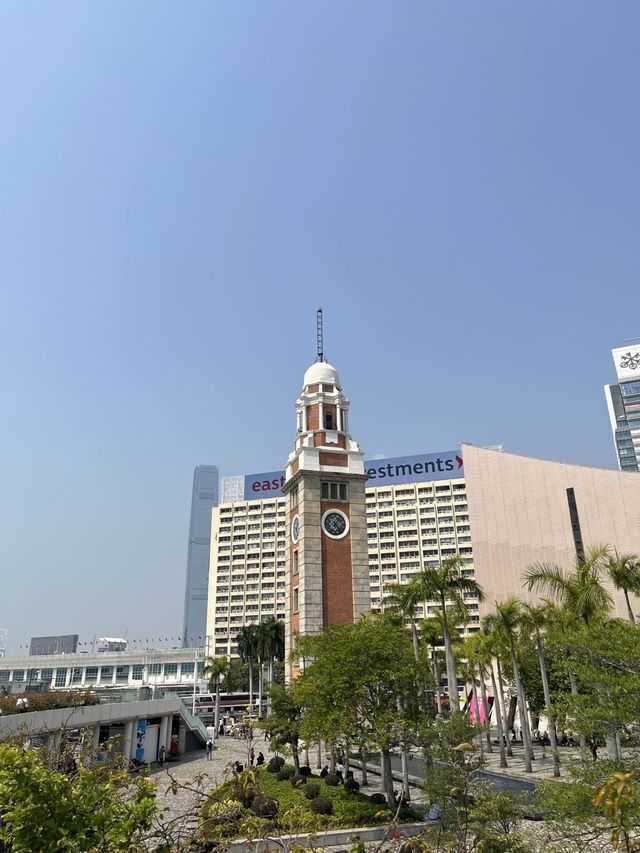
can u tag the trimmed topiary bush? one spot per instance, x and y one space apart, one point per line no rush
245 795
305 770
351 786
321 805
332 780
276 763
297 780
285 773
378 799
265 806
311 791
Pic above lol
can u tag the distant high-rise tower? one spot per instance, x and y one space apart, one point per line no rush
204 497
623 402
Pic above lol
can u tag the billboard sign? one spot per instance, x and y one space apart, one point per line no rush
380 472
627 362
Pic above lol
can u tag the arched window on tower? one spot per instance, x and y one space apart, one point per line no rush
328 420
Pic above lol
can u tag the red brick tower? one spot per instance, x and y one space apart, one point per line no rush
326 559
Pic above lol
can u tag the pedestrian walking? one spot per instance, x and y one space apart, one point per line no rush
339 772
209 749
252 757
161 754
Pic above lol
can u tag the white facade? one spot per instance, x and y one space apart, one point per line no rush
247 569
171 668
623 404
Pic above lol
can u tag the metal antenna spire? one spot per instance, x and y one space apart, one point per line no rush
319 336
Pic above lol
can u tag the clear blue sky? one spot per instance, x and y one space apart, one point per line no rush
182 183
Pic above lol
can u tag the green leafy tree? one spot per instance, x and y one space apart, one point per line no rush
361 686
100 809
283 721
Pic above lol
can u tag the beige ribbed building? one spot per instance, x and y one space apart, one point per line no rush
524 510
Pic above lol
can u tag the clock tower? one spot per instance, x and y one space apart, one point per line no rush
326 557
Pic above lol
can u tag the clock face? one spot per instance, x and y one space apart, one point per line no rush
335 524
295 529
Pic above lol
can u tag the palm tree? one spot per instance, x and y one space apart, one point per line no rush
404 598
535 620
476 653
580 591
624 571
486 653
246 642
506 623
216 669
446 583
272 633
432 636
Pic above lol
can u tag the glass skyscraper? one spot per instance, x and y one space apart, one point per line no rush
203 498
623 402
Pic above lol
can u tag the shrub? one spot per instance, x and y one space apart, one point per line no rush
285 773
311 791
245 795
332 780
378 799
276 763
351 786
265 806
223 815
297 780
321 805
305 770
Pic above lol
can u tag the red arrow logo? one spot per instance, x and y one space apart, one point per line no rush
459 460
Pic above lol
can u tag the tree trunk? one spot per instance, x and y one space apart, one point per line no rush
260 686
485 707
574 692
414 638
332 756
404 755
387 779
319 764
524 722
250 686
346 759
547 702
474 698
296 757
270 685
503 709
216 718
632 618
363 761
436 678
502 735
452 681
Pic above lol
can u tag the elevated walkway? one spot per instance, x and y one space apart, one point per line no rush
32 723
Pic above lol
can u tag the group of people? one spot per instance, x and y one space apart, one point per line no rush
252 757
